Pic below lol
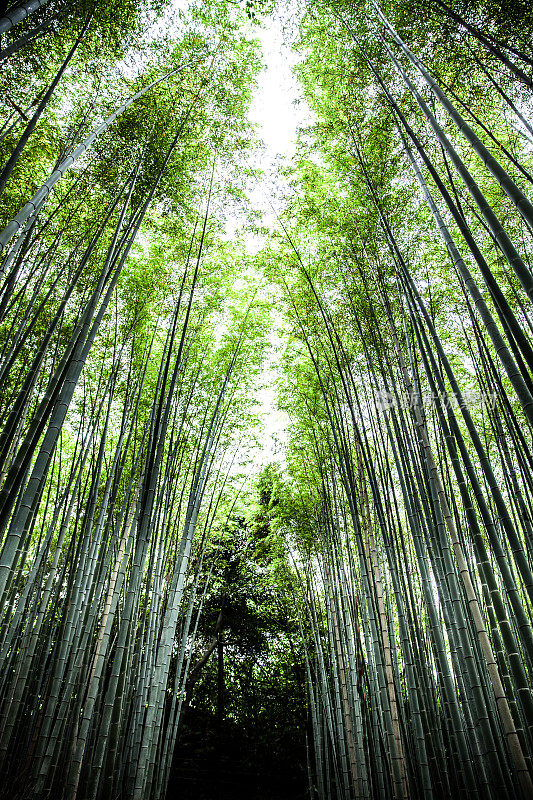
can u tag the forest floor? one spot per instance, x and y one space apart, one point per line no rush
232 766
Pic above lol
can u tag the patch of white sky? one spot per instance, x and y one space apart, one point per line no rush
278 110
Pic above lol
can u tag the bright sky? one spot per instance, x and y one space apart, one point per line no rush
275 107
278 111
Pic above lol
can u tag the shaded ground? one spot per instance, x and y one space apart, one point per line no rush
233 763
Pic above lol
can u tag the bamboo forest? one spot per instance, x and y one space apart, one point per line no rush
266 400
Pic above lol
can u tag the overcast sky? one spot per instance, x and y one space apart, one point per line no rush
278 111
